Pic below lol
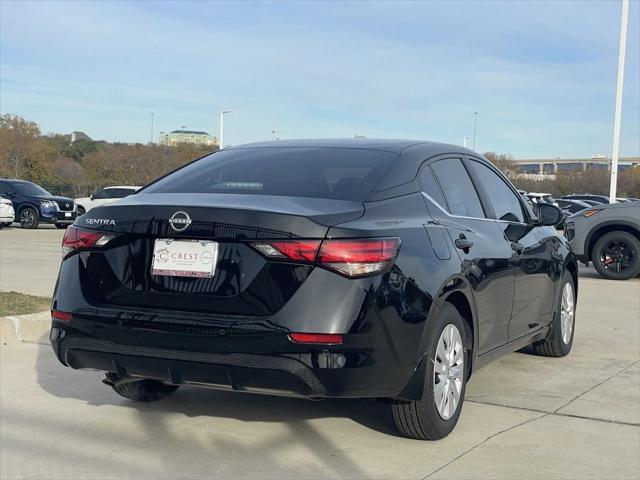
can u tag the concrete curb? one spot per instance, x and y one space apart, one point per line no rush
32 328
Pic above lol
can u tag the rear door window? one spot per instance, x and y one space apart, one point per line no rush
429 185
459 192
336 173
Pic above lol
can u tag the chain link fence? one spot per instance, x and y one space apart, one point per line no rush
72 190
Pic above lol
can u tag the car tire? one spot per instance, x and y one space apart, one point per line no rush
425 419
62 225
81 210
559 339
144 390
28 218
629 244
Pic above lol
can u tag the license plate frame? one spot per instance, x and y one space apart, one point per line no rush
184 258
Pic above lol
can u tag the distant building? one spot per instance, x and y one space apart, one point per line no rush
545 168
194 137
75 136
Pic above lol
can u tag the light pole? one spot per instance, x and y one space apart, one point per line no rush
222 112
152 114
613 187
465 141
475 124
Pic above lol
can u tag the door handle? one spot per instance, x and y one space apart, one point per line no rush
517 247
463 243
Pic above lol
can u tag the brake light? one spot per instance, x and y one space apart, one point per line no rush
349 257
76 239
297 250
358 258
323 338
62 316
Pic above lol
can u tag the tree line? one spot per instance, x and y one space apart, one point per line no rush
78 168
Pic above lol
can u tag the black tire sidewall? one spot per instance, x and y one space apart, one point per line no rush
627 238
448 315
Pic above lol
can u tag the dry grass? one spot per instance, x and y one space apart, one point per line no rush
14 303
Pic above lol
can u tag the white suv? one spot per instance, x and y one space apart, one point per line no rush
104 196
7 215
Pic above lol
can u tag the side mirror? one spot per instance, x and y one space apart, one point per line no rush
91 197
549 215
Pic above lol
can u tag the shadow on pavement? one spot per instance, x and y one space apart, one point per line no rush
65 382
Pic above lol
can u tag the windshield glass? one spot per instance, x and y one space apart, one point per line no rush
337 173
30 189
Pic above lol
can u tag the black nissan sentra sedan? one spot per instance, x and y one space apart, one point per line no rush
322 268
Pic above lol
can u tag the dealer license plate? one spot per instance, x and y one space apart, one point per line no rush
184 258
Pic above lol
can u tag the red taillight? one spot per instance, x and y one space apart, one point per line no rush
323 338
358 258
62 316
349 257
76 238
297 250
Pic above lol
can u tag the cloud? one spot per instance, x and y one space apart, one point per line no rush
541 74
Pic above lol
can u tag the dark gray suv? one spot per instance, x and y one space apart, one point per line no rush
609 236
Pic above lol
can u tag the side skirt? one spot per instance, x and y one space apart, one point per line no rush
510 347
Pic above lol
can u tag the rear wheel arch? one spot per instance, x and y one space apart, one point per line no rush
462 304
413 390
572 268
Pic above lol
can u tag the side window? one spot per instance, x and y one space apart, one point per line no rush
6 187
429 185
102 194
119 192
458 190
504 201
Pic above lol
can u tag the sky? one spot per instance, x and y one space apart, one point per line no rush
541 74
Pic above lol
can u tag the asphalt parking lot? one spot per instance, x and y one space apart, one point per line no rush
525 416
30 259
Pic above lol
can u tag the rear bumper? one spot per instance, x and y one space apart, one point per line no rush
266 363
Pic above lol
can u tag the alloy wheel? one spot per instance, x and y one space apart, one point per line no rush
567 312
448 371
616 256
27 218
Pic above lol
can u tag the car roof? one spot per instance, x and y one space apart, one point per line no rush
15 180
390 145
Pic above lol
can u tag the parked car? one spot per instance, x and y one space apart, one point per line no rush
541 198
7 214
104 196
609 236
328 268
600 199
34 205
572 206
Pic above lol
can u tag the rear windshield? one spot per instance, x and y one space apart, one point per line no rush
338 173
